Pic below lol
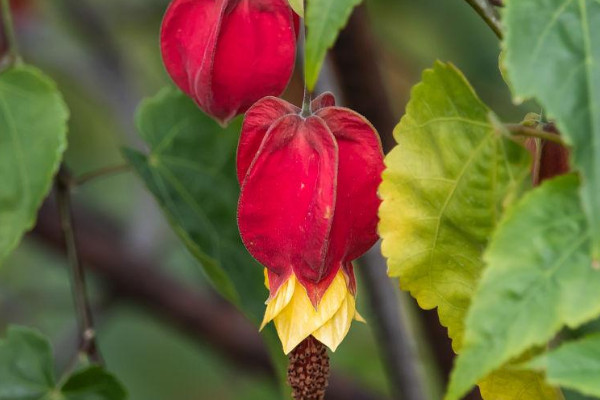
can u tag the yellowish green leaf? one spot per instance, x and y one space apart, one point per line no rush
298 7
445 187
509 384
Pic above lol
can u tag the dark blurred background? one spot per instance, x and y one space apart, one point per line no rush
146 288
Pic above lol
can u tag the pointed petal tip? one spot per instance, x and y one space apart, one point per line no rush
263 324
359 318
223 123
326 99
333 332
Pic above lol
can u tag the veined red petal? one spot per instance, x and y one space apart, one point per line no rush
255 55
354 228
257 121
275 280
348 269
188 39
287 201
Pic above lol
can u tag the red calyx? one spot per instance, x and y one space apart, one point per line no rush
308 203
227 54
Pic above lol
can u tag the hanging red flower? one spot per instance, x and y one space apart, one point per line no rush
307 209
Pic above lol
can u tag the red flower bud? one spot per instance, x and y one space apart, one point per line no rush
227 54
308 204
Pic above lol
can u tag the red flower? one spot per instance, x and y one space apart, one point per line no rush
308 204
227 54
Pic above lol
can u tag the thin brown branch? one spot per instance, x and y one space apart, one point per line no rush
101 173
8 34
87 333
487 11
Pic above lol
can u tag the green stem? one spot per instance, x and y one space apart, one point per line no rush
486 10
9 33
87 332
100 173
527 131
306 111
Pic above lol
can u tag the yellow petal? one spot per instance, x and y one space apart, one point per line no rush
266 278
335 330
358 317
282 298
299 319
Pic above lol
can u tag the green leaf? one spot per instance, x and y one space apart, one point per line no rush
574 365
26 370
190 170
26 373
573 395
444 189
93 383
538 279
33 129
553 54
324 21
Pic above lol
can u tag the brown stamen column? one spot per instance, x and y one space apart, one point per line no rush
308 371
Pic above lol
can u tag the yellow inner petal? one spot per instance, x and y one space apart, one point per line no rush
299 319
335 330
358 317
295 317
276 304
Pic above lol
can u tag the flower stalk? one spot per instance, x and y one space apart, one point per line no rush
306 111
100 173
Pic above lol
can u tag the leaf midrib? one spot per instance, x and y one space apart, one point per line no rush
459 178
